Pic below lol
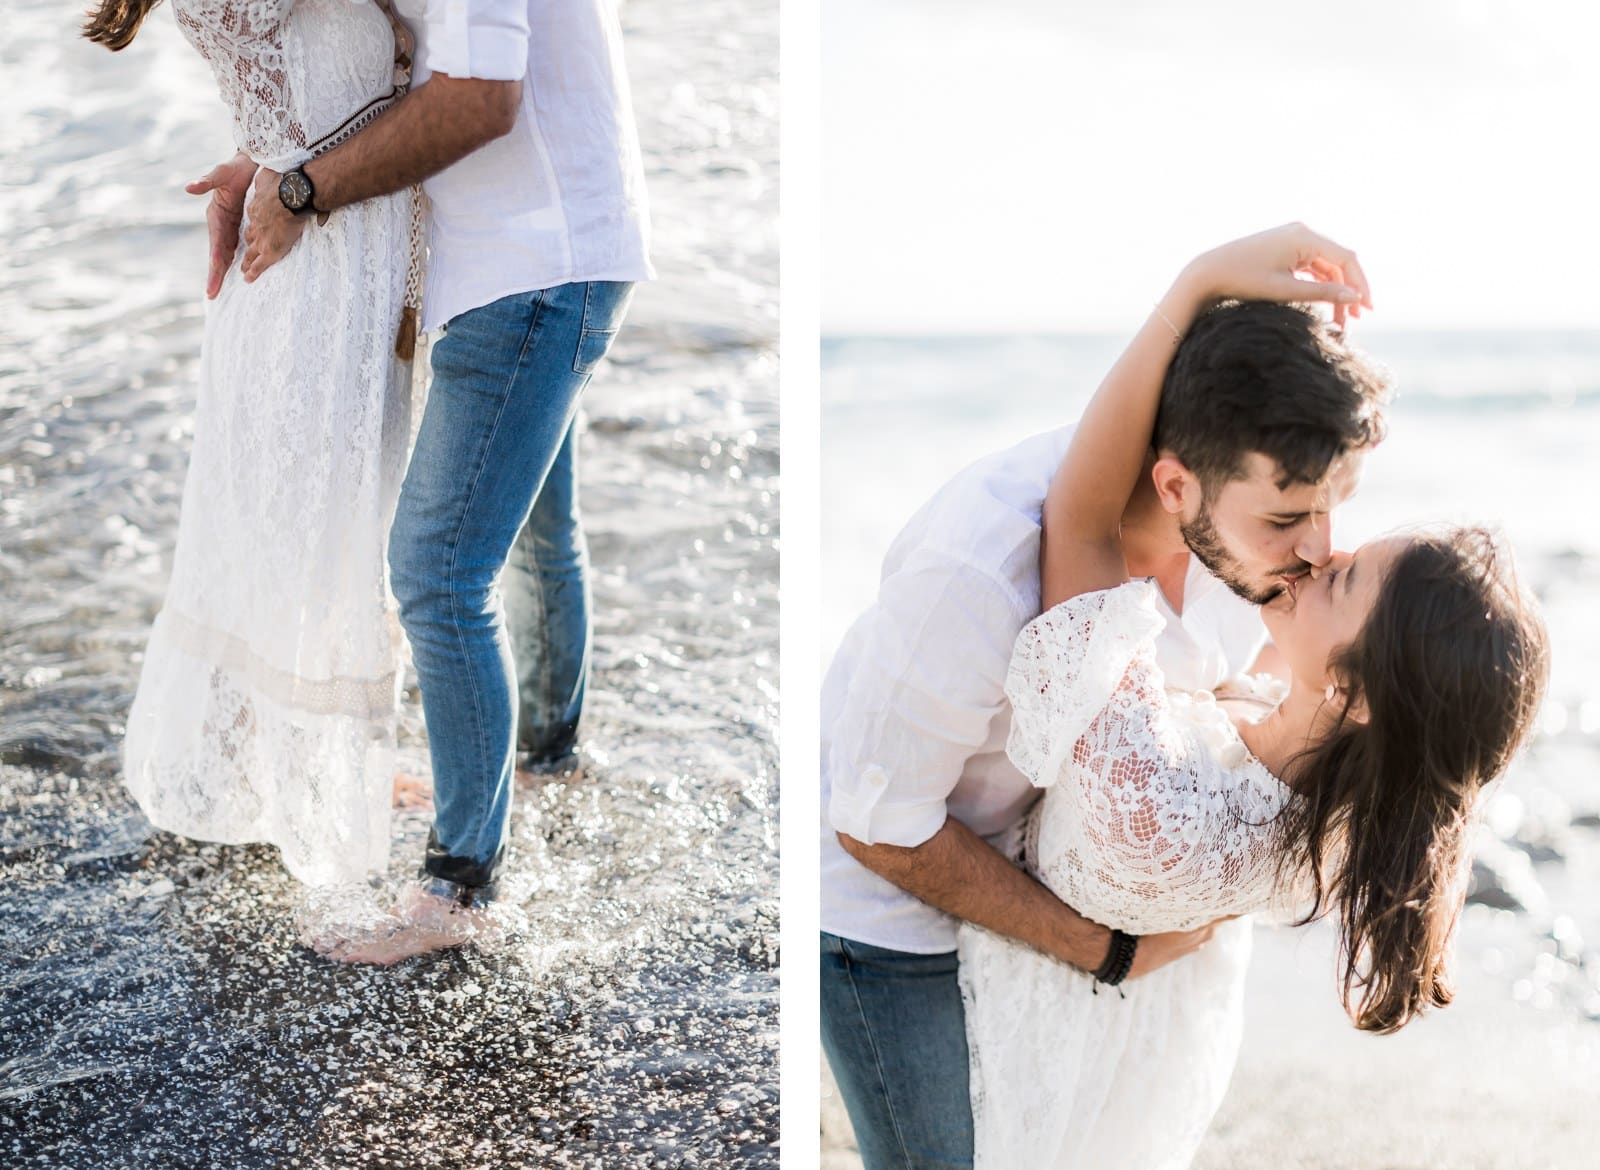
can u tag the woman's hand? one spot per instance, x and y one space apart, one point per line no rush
1288 263
228 183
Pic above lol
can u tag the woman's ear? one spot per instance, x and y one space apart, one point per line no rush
1176 486
1355 710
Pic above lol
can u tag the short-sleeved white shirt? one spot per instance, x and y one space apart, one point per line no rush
561 198
914 711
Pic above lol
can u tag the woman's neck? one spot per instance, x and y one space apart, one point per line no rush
1299 723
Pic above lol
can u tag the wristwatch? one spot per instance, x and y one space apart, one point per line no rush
296 193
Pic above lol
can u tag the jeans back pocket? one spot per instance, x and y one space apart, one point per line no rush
605 303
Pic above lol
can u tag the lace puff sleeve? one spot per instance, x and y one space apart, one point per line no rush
1156 818
1067 665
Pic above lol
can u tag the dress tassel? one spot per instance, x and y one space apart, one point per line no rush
405 342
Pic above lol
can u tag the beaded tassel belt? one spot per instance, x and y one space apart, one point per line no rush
405 343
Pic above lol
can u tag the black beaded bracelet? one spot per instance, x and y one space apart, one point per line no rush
1119 959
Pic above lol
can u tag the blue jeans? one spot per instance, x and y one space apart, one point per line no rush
895 1035
497 432
545 589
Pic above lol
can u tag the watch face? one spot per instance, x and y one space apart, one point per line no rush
294 191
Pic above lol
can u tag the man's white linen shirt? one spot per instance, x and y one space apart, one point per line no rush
914 712
560 198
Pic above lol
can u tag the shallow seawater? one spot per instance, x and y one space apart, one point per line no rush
1498 428
156 1008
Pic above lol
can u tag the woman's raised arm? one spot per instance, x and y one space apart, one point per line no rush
1081 549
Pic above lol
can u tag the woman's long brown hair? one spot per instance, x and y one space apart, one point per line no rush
1449 669
115 22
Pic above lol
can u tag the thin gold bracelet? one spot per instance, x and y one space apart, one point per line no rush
1175 334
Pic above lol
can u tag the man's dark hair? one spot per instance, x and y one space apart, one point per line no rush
1260 376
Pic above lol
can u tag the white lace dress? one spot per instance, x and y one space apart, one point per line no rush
1154 818
267 698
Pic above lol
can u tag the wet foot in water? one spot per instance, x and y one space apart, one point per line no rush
421 924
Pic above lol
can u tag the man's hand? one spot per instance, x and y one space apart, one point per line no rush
1157 950
273 227
228 184
432 127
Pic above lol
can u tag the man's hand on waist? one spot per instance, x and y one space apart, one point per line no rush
273 227
1157 950
433 127
959 872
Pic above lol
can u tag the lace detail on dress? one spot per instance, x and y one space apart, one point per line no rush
1065 667
215 757
1163 821
267 700
362 698
242 40
1154 818
290 71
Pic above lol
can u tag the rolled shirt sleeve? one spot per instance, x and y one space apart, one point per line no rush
925 682
485 39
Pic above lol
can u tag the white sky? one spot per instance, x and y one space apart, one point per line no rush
1026 165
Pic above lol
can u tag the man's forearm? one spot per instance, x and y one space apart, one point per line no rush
434 126
959 872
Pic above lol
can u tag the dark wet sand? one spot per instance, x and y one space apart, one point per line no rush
187 1028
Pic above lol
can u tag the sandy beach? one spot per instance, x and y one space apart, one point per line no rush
1486 1084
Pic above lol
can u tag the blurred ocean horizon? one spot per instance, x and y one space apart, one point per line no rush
1492 426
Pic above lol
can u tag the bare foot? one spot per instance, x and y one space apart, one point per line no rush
422 924
412 791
